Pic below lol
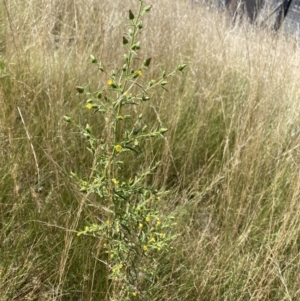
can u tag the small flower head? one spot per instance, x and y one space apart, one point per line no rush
162 235
158 223
112 255
89 106
110 82
145 247
115 181
151 83
139 73
118 148
152 239
134 294
141 226
147 219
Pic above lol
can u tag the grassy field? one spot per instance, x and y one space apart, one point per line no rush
230 159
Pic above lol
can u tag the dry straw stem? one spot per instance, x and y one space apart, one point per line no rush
233 134
32 148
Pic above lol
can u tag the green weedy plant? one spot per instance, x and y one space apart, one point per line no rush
133 230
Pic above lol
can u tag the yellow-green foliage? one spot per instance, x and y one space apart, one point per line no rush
229 158
130 224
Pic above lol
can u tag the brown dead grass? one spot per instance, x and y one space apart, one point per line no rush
230 157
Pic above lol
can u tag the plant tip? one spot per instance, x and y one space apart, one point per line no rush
181 67
125 41
93 59
79 89
67 118
130 15
147 62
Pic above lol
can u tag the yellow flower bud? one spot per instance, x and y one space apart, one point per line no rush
118 148
89 106
115 181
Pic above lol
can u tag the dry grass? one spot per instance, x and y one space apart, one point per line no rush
231 157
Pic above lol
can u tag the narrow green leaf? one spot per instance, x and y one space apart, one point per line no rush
125 41
93 59
131 15
181 67
147 62
79 89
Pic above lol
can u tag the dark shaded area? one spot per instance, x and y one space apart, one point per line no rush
281 13
248 8
253 7
291 23
278 14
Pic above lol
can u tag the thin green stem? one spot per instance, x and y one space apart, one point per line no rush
132 42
